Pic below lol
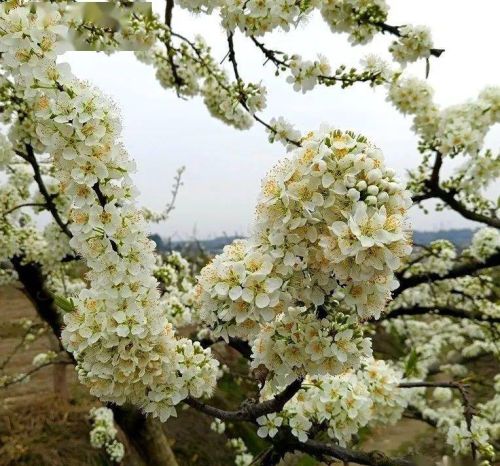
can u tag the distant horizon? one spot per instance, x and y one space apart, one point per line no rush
238 235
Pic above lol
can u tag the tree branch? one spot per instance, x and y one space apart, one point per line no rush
434 191
31 276
272 56
249 411
49 198
178 81
461 270
20 206
23 377
373 458
441 310
169 6
209 70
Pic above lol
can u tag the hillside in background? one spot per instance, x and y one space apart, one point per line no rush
459 237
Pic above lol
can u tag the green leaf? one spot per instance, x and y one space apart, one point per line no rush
411 364
67 305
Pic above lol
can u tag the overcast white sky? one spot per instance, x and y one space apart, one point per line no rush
224 166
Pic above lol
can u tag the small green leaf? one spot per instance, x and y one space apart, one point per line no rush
66 305
411 364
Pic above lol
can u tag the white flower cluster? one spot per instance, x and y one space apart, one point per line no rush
103 434
283 132
20 235
16 227
343 403
476 177
442 394
440 341
134 29
329 219
298 342
187 70
243 456
223 102
176 284
191 70
304 74
6 152
197 6
62 283
376 66
42 359
414 96
439 257
490 410
415 42
358 18
218 426
485 243
256 17
125 348
7 276
464 126
31 244
447 413
460 437
459 128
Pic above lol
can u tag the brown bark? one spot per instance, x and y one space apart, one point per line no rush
146 435
59 374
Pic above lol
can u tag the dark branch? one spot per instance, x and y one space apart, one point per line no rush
20 206
178 81
373 458
433 190
168 12
238 344
440 310
460 270
49 198
249 412
32 371
31 276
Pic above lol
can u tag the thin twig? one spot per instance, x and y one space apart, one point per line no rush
440 310
20 206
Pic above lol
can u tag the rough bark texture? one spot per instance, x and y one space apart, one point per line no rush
147 436
59 373
31 276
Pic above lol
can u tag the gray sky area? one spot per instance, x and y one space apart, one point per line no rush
224 166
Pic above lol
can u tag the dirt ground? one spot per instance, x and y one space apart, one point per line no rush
36 426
